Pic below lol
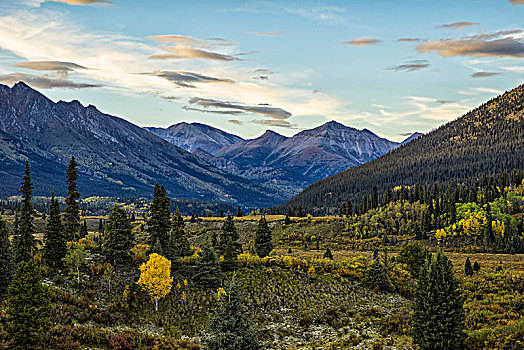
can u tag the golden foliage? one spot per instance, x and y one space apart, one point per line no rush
155 277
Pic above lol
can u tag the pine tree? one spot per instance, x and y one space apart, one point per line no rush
438 317
229 232
25 244
263 245
193 219
120 238
7 262
239 212
328 254
54 238
476 266
72 210
28 308
468 269
376 277
159 223
207 270
101 227
230 262
178 243
83 229
300 212
287 220
229 330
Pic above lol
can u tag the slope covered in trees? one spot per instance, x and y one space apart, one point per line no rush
487 140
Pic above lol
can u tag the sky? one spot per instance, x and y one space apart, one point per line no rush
391 66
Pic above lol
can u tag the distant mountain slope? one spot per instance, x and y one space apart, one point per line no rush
311 155
193 136
486 140
115 157
287 164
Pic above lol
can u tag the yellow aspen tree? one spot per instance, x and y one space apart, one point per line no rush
155 277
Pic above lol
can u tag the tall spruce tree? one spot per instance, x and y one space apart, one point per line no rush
230 262
207 269
239 212
468 269
72 209
438 313
54 237
25 244
228 328
178 243
7 262
159 222
228 232
83 229
120 237
263 245
28 308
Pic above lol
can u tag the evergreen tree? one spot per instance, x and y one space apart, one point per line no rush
100 227
72 210
28 308
490 237
239 212
7 263
300 212
376 277
468 269
328 254
193 219
221 213
229 232
178 243
263 245
159 222
207 270
230 262
229 330
25 244
54 237
438 317
290 212
83 229
476 266
120 238
287 220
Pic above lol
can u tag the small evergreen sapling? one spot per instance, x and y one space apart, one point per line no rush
263 244
468 269
228 327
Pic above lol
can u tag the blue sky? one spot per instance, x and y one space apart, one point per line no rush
393 67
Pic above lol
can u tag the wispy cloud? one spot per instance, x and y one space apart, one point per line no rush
484 74
266 33
517 2
179 52
409 40
331 14
185 40
363 41
458 25
270 112
273 122
236 121
504 47
410 66
42 82
188 79
83 2
50 66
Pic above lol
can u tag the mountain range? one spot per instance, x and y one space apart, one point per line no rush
115 157
488 140
287 163
193 160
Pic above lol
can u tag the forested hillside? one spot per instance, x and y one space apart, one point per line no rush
487 140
